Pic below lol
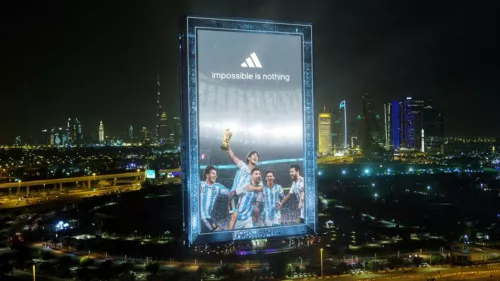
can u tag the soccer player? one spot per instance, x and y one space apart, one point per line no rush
241 178
297 189
247 198
209 191
272 194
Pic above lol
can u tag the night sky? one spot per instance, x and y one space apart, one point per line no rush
98 60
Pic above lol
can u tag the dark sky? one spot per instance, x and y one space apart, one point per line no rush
98 60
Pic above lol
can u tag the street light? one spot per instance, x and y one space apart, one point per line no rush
321 256
34 278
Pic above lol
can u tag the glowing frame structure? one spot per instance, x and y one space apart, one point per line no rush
190 128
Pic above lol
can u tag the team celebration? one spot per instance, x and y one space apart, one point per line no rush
255 198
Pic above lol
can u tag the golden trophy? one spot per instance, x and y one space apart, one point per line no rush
225 141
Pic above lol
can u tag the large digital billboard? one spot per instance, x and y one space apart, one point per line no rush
248 136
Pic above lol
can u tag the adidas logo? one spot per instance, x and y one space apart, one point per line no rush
252 62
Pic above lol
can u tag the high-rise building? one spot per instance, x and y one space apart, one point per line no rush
339 127
372 139
392 125
433 130
343 108
74 131
101 132
158 108
164 132
145 134
52 140
177 131
324 133
131 133
338 130
406 123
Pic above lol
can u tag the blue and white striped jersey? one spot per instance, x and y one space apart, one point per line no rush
242 176
297 187
208 195
271 196
246 202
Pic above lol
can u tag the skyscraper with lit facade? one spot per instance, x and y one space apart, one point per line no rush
413 124
177 131
372 139
101 132
74 131
164 133
158 108
324 133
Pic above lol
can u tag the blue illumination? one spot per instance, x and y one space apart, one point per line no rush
395 125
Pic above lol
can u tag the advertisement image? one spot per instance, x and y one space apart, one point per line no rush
250 137
251 130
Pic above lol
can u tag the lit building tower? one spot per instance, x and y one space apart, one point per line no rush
131 133
412 122
372 141
325 133
392 125
158 107
433 130
343 108
74 131
163 128
69 131
101 132
177 131
79 133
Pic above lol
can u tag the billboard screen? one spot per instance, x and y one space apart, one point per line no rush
249 155
150 174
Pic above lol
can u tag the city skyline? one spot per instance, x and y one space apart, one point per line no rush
109 69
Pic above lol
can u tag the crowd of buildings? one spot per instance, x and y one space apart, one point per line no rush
72 134
407 124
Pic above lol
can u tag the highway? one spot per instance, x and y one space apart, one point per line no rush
7 202
77 179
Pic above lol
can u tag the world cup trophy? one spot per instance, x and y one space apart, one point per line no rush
225 140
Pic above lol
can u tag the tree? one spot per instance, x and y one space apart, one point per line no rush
86 261
105 272
202 270
126 267
44 254
226 270
437 259
152 267
63 267
6 266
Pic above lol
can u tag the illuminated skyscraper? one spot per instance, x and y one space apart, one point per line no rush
164 134
101 132
131 133
433 129
343 107
324 133
177 131
74 131
158 108
409 122
372 140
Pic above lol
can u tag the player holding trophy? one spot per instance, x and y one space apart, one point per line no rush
241 178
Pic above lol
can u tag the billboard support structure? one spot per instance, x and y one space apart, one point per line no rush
238 68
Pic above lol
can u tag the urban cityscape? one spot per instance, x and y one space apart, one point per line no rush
398 195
